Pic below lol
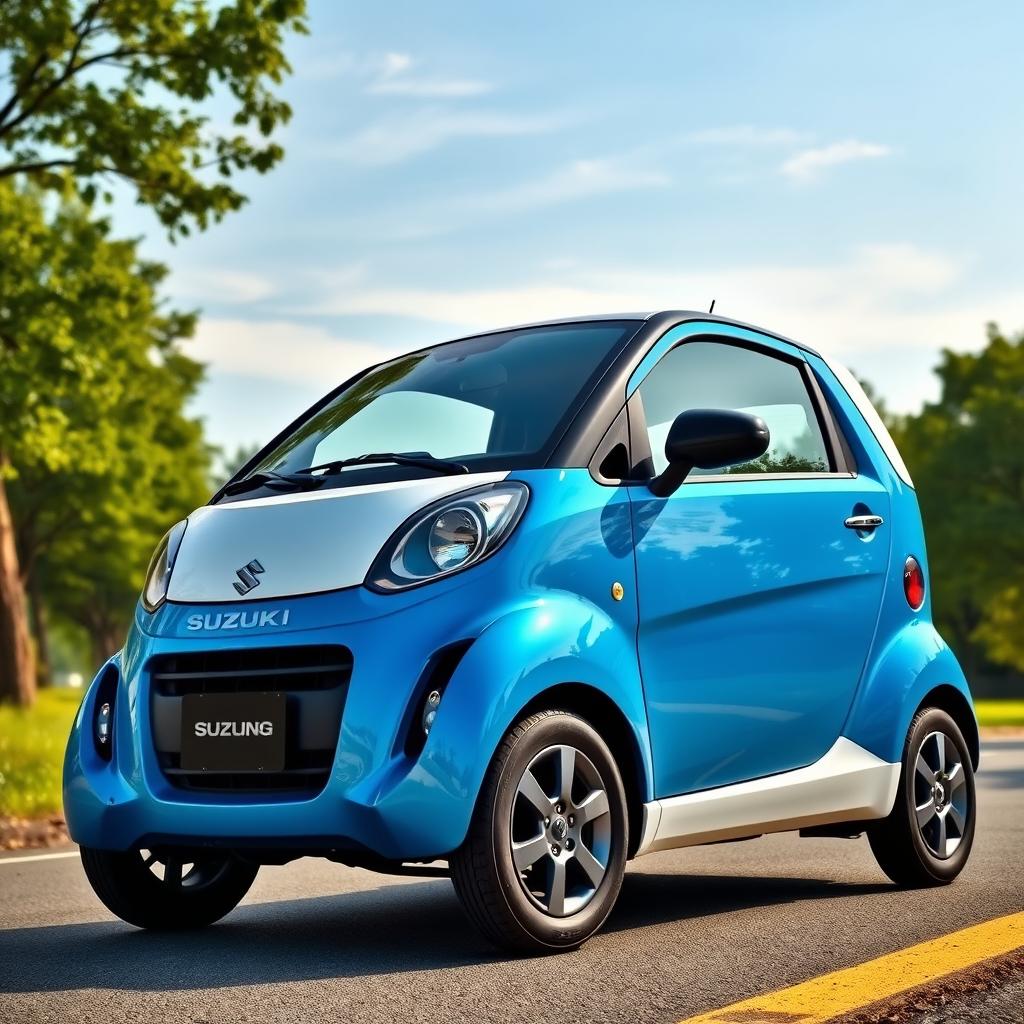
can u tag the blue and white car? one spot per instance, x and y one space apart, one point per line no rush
534 603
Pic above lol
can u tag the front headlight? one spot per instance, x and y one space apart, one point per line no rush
158 576
447 536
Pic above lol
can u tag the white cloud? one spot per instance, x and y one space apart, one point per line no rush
807 165
429 88
393 79
219 285
397 139
887 309
388 74
577 180
395 64
744 135
282 350
878 281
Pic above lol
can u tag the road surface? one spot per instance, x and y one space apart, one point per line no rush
694 930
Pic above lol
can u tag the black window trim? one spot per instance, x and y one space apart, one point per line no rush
641 457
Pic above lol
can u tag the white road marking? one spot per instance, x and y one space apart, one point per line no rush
37 856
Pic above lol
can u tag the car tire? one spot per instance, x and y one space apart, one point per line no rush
927 837
166 891
542 864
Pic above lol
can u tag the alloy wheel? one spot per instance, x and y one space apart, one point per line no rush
941 797
561 830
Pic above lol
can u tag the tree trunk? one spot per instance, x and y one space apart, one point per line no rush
41 632
17 671
105 638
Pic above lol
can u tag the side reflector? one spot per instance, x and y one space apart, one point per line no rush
913 583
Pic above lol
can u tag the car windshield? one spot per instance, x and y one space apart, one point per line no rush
498 401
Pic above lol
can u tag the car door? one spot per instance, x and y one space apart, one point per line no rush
757 605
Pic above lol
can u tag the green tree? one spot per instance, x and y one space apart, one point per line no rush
96 92
92 385
965 455
115 90
85 538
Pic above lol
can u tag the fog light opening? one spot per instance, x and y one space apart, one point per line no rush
430 706
103 715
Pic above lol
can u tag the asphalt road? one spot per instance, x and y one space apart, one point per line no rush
694 930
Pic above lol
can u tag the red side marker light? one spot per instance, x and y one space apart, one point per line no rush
913 583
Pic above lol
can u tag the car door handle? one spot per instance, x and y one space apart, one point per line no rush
867 522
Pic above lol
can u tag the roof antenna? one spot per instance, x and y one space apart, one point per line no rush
712 309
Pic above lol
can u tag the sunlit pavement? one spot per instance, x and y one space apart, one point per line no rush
694 930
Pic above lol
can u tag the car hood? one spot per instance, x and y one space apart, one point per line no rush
306 543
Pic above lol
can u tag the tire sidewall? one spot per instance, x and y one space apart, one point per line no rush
935 720
571 931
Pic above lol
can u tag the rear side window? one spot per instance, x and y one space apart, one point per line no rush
715 375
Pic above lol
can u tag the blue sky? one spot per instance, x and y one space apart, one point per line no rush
847 173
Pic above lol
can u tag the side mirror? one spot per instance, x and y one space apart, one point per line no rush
708 439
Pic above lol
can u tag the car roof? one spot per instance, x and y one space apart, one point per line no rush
669 318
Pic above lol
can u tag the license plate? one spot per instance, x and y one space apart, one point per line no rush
232 732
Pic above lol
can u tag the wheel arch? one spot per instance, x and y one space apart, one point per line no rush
949 699
610 721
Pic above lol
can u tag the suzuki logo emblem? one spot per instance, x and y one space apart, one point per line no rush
247 577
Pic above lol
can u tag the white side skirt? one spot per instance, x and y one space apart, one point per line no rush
848 784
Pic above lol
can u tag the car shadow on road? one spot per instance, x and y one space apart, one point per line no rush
388 930
648 898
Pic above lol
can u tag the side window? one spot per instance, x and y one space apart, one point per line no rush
714 375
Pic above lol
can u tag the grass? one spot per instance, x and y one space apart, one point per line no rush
1000 712
32 748
32 744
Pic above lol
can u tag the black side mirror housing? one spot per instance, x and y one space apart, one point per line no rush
709 439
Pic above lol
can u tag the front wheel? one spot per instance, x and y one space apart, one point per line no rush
167 890
542 865
927 837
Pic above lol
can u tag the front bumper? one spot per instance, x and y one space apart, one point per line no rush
377 797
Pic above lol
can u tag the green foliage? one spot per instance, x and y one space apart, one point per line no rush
93 387
106 90
32 753
967 460
78 317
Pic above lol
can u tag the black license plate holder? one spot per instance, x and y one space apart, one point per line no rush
233 732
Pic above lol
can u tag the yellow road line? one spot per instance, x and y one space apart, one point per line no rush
842 992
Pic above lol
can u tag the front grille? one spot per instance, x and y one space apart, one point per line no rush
314 681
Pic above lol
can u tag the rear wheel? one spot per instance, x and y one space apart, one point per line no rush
167 890
543 862
927 837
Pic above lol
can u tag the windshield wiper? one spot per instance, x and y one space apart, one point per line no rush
267 478
311 477
422 460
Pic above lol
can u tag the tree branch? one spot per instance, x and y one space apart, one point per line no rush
19 89
42 165
63 78
82 29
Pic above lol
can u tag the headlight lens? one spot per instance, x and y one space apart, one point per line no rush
158 577
455 537
448 536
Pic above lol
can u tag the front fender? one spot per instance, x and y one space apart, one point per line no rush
558 639
915 661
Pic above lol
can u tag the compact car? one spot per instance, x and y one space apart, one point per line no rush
521 607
